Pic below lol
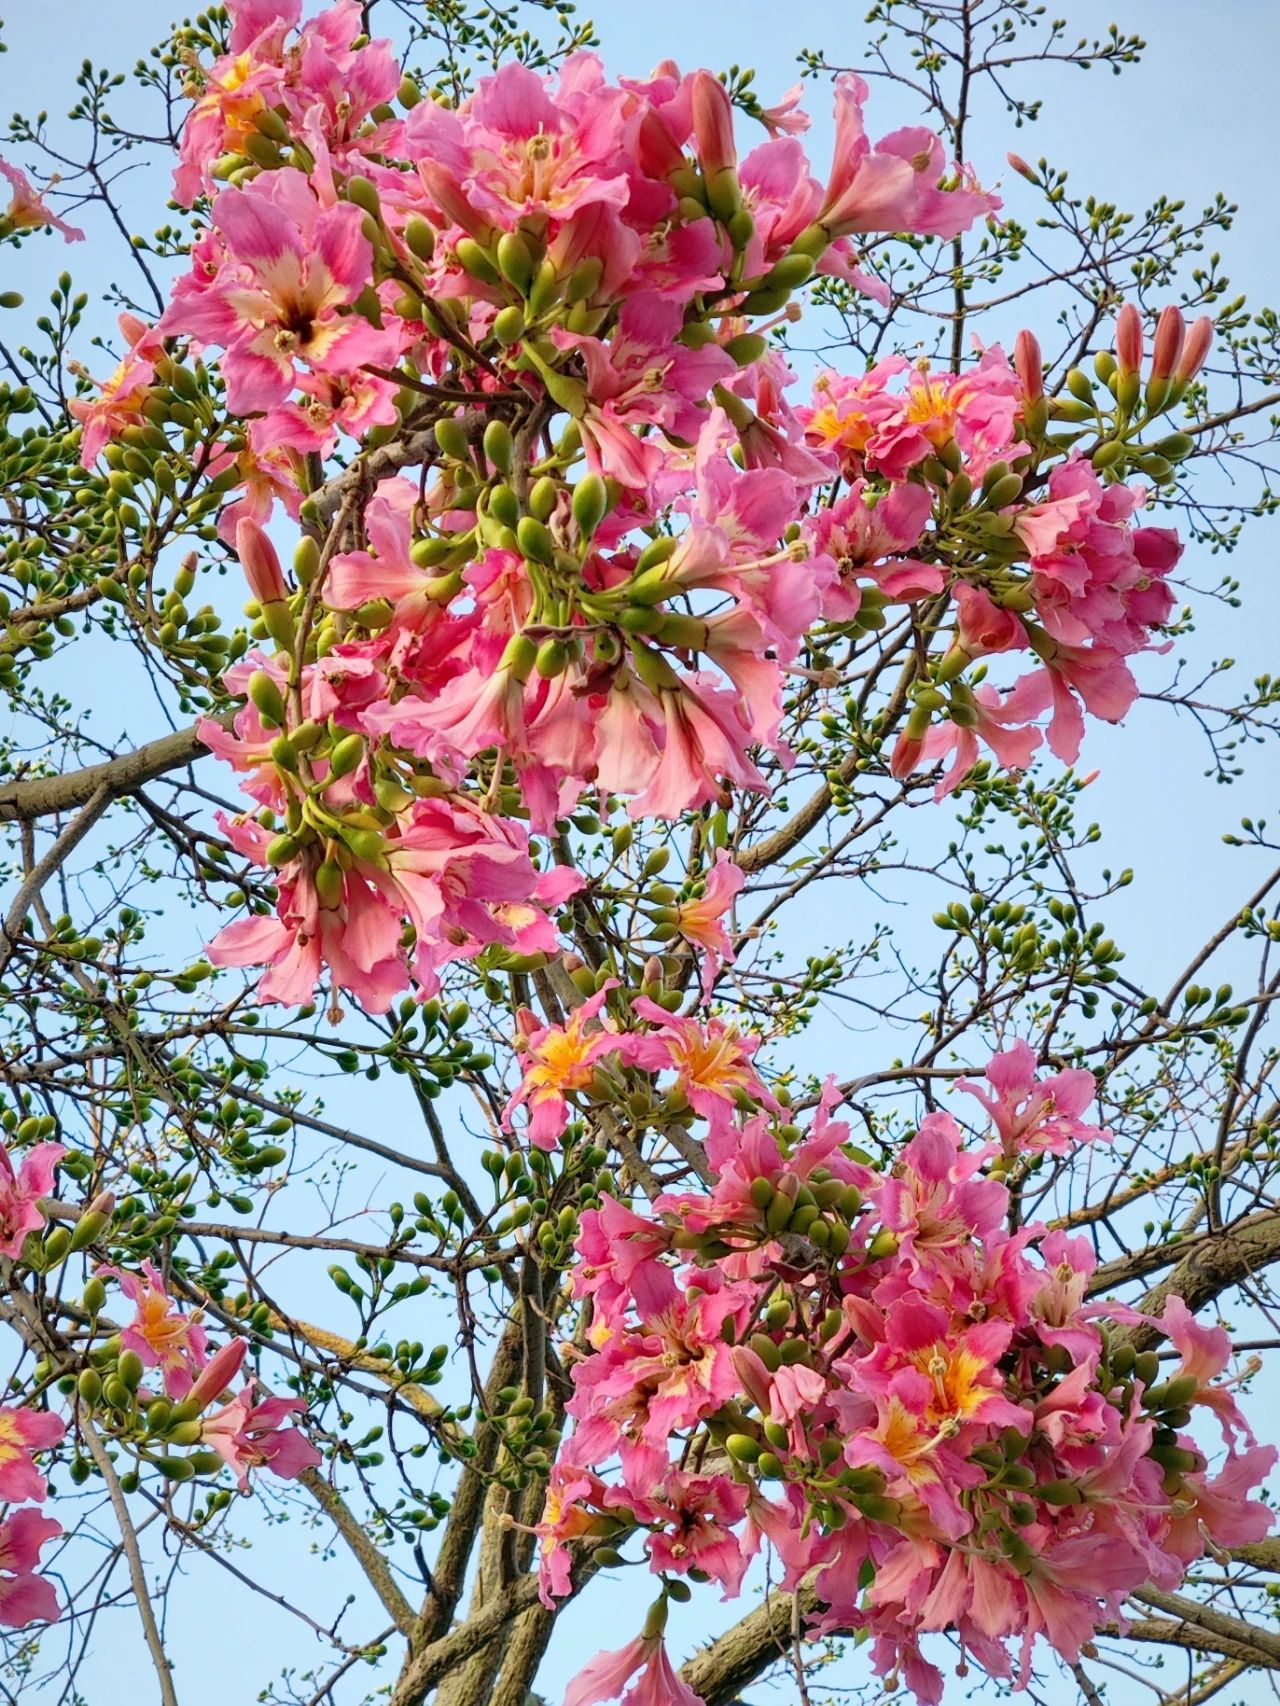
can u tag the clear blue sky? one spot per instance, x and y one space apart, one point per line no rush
1196 117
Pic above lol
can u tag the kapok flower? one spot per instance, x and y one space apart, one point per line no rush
159 1333
20 1193
249 1435
698 920
28 210
24 1596
23 1431
711 1061
1036 1116
560 1059
607 1676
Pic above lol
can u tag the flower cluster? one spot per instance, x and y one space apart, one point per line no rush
558 295
195 1406
925 1414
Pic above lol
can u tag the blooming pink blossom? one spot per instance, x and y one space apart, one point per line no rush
20 1191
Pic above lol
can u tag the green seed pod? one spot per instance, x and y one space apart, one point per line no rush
499 447
508 324
1146 1367
267 697
552 658
535 542
451 436
543 497
346 756
515 260
590 504
420 238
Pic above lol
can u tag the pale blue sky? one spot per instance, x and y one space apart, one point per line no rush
1196 117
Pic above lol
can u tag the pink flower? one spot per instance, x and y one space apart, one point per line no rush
1036 1116
160 1334
785 117
892 185
711 1061
999 722
698 920
23 1431
1205 1353
607 1675
27 209
869 542
698 1514
290 266
560 1059
120 399
20 1193
249 1435
25 1597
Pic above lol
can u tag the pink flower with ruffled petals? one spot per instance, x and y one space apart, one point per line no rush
892 185
28 210
24 1596
20 1193
161 1335
1033 1115
22 1432
290 266
252 1435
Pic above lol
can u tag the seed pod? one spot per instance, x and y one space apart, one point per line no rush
499 447
535 542
590 504
451 436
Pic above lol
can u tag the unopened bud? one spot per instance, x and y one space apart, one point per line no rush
1029 366
1171 331
260 563
1195 349
1129 340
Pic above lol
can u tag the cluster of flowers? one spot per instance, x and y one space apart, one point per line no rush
918 1410
1048 560
614 546
593 575
246 1430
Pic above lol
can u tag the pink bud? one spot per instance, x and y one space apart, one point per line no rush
1021 167
133 328
260 564
658 154
753 1375
1029 366
906 756
1196 349
218 1373
527 1025
1171 329
1129 342
713 124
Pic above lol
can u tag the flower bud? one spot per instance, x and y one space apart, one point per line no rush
590 504
95 1219
1195 349
712 113
1129 342
218 1373
1029 366
267 698
260 563
1171 330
